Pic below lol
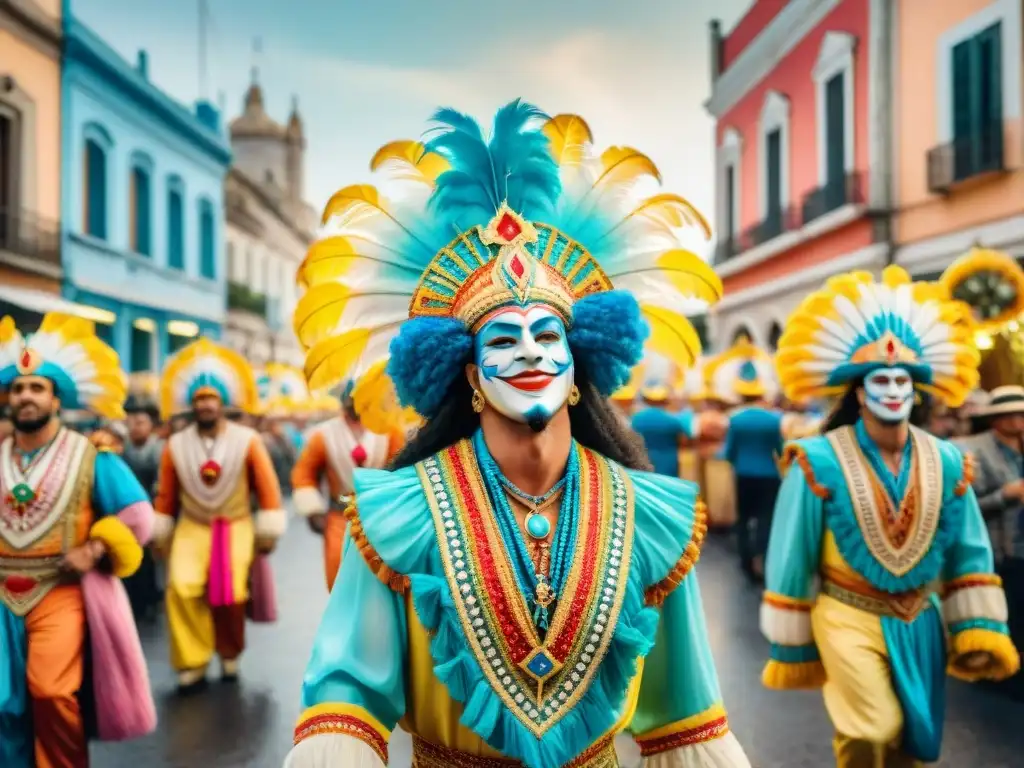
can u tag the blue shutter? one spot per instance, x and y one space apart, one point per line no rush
96 189
175 231
143 212
207 246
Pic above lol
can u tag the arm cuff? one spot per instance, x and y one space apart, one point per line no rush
723 752
706 726
350 725
991 638
793 668
786 620
328 750
163 527
309 501
974 596
271 524
123 548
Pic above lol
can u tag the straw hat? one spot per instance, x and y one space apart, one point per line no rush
1002 400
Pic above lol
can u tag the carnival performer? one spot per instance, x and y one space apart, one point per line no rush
881 512
209 473
753 445
662 429
334 449
72 522
529 586
142 452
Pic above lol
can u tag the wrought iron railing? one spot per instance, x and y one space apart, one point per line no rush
831 196
29 235
977 153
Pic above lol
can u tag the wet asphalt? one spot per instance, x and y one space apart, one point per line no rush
249 724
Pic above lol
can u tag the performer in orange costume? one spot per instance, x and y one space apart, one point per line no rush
208 473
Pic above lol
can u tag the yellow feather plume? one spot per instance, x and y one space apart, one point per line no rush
671 211
570 137
625 165
8 330
334 359
326 260
672 335
410 160
691 275
353 199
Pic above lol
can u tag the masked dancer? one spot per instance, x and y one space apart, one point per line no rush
209 473
73 520
881 512
530 587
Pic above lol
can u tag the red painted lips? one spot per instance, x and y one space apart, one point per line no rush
529 381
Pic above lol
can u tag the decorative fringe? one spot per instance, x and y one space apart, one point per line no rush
790 677
796 453
968 476
1004 662
655 595
396 581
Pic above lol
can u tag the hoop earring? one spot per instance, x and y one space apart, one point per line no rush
478 401
574 395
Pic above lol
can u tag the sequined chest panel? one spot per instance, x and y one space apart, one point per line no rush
539 681
37 529
897 534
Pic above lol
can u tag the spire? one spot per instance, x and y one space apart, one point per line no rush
294 120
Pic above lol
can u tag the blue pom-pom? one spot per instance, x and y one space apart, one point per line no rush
426 356
607 338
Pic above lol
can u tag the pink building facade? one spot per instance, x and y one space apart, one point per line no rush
802 98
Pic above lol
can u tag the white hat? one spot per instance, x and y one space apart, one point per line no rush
1003 400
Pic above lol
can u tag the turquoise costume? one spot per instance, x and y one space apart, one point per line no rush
877 637
753 442
661 431
495 641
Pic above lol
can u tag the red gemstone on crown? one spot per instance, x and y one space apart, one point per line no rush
509 228
517 267
210 472
26 359
890 349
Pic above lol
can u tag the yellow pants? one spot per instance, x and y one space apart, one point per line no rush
197 630
859 694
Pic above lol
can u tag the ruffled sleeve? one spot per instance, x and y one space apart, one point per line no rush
124 514
794 554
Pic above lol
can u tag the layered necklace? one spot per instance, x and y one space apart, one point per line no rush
23 494
541 565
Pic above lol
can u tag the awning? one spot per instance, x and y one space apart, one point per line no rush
43 302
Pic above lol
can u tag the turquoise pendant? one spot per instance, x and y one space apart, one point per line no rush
537 526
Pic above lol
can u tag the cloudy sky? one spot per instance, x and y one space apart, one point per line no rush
368 72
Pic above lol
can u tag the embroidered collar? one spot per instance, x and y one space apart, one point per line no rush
539 681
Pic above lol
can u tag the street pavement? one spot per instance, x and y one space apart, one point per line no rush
249 724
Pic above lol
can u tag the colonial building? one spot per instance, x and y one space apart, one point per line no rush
269 228
30 115
802 98
143 204
958 94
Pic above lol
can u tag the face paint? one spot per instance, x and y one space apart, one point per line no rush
889 394
526 369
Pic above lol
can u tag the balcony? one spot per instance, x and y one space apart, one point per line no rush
30 242
243 299
832 196
968 157
771 226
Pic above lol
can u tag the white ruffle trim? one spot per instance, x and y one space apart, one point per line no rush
163 527
723 752
309 502
784 627
985 602
332 750
271 523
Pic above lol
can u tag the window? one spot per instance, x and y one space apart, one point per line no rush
833 75
774 334
140 208
773 149
730 200
9 156
835 133
773 175
229 248
95 193
175 225
105 333
207 241
729 152
176 342
142 350
977 103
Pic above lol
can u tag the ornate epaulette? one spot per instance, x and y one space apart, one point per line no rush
657 594
796 453
396 581
968 476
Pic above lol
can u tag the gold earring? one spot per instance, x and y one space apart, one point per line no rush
478 401
574 395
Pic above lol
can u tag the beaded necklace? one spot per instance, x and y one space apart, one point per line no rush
544 589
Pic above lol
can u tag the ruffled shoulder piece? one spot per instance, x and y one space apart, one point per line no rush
815 458
540 700
671 523
891 557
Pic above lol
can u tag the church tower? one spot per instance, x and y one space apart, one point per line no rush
295 155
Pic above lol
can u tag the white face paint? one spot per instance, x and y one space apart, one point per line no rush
889 394
526 370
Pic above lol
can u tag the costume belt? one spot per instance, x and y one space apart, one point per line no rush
427 755
24 581
856 594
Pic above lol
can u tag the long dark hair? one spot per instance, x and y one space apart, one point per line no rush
594 423
847 409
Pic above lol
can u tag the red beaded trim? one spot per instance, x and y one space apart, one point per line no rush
346 725
970 581
709 731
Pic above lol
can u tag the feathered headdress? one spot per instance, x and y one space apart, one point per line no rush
991 283
282 390
529 215
376 402
855 325
204 367
743 370
85 371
